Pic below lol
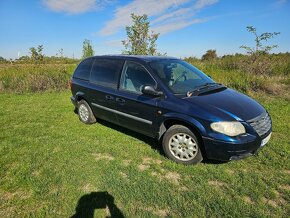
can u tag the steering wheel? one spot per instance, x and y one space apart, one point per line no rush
178 78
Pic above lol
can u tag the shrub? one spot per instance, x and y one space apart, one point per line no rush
21 78
209 55
236 71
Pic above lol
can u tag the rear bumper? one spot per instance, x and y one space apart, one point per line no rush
226 151
73 100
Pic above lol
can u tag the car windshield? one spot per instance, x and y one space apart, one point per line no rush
180 76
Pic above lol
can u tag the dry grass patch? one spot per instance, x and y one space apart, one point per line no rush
269 202
143 167
248 200
36 173
216 183
56 150
124 175
287 172
148 160
285 187
88 187
173 177
229 171
19 194
154 210
279 198
103 156
8 211
157 212
126 162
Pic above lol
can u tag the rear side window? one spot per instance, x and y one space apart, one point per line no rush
105 72
84 69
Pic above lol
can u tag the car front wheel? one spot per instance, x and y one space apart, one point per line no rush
180 144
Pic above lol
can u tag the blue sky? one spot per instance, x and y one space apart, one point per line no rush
186 27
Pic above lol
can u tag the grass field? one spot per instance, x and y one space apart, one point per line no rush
52 165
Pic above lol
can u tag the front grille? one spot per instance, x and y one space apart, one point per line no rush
261 124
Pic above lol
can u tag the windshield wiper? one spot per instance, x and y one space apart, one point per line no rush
201 87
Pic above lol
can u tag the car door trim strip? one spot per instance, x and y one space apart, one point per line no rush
123 114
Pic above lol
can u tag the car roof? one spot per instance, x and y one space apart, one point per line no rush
147 58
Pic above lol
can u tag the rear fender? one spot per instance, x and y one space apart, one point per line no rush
79 96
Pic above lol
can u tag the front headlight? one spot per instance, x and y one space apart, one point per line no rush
228 128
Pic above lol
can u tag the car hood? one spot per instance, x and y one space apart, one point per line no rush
228 105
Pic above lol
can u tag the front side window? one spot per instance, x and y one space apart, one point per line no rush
179 76
105 72
134 77
84 69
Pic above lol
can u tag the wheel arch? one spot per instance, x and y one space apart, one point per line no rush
194 125
80 96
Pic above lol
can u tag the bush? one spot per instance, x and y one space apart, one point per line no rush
21 78
270 75
209 55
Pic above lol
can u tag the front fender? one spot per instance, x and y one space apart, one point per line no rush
180 117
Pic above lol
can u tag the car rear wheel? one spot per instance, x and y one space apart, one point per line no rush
181 145
85 113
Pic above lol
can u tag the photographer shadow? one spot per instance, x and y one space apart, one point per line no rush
88 203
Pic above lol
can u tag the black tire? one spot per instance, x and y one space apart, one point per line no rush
85 112
185 150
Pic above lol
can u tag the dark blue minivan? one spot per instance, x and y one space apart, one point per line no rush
170 100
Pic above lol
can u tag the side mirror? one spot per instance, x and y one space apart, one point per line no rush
149 90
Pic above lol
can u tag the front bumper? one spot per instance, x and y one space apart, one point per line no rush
225 151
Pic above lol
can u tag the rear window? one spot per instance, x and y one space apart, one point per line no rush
84 69
106 72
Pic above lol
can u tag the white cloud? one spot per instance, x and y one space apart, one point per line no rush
114 43
170 27
178 13
74 6
165 15
122 15
203 3
280 3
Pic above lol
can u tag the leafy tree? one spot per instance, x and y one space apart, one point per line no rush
139 41
260 48
36 53
2 59
209 55
88 50
258 61
61 52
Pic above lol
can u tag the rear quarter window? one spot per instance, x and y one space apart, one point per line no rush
84 69
106 72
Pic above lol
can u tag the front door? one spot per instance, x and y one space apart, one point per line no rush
135 110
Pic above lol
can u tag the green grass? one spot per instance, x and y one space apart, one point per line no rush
50 160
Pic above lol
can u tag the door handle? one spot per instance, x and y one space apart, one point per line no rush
109 97
120 100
